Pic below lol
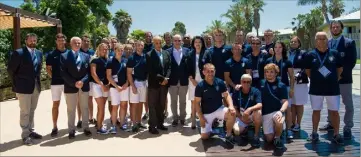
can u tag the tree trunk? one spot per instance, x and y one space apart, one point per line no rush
257 32
324 11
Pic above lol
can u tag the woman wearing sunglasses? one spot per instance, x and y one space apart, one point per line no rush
286 76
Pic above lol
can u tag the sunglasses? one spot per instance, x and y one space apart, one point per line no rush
256 43
247 82
186 38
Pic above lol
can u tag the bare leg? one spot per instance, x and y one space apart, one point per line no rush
100 114
335 121
90 106
55 113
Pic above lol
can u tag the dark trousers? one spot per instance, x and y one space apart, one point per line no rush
156 104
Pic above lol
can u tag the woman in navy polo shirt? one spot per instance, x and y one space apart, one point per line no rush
195 68
119 91
286 75
100 85
300 96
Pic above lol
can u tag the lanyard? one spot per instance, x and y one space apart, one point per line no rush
257 61
249 98
269 89
324 59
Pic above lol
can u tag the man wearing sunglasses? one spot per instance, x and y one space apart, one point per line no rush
187 41
257 61
248 105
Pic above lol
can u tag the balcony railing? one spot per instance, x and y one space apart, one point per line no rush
353 36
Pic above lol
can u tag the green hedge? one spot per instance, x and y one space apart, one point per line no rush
6 85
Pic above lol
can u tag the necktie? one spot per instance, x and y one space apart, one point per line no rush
77 60
35 60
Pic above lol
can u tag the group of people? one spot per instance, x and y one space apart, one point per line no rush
243 84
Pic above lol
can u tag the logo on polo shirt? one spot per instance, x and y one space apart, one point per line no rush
86 65
261 59
223 50
217 88
314 60
299 57
342 54
251 97
242 64
274 87
331 58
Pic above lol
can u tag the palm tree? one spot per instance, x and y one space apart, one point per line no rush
247 6
312 21
336 8
256 17
313 2
299 27
122 22
236 17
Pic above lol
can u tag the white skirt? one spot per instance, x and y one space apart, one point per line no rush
300 96
191 90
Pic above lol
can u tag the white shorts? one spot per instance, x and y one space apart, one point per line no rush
219 114
98 91
91 88
268 123
117 97
300 95
333 102
241 123
56 91
141 95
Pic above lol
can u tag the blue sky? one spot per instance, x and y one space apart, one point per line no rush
159 16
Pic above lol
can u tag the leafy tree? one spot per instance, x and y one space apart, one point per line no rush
354 9
336 8
6 37
179 28
137 34
314 2
122 22
258 5
236 17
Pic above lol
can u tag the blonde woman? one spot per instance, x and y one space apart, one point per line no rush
119 91
128 48
100 85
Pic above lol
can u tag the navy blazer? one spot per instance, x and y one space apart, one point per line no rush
22 71
179 72
347 50
192 63
71 74
157 72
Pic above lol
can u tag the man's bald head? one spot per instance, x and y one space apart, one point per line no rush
321 41
177 41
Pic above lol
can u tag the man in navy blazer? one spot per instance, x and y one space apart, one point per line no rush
347 50
24 70
178 80
74 67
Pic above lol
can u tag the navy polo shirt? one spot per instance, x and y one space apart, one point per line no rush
283 65
319 84
147 47
139 64
211 95
241 100
53 60
236 69
90 52
272 94
100 69
119 69
267 47
246 49
218 56
111 53
257 63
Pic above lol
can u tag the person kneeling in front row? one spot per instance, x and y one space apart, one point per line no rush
274 104
248 103
208 99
